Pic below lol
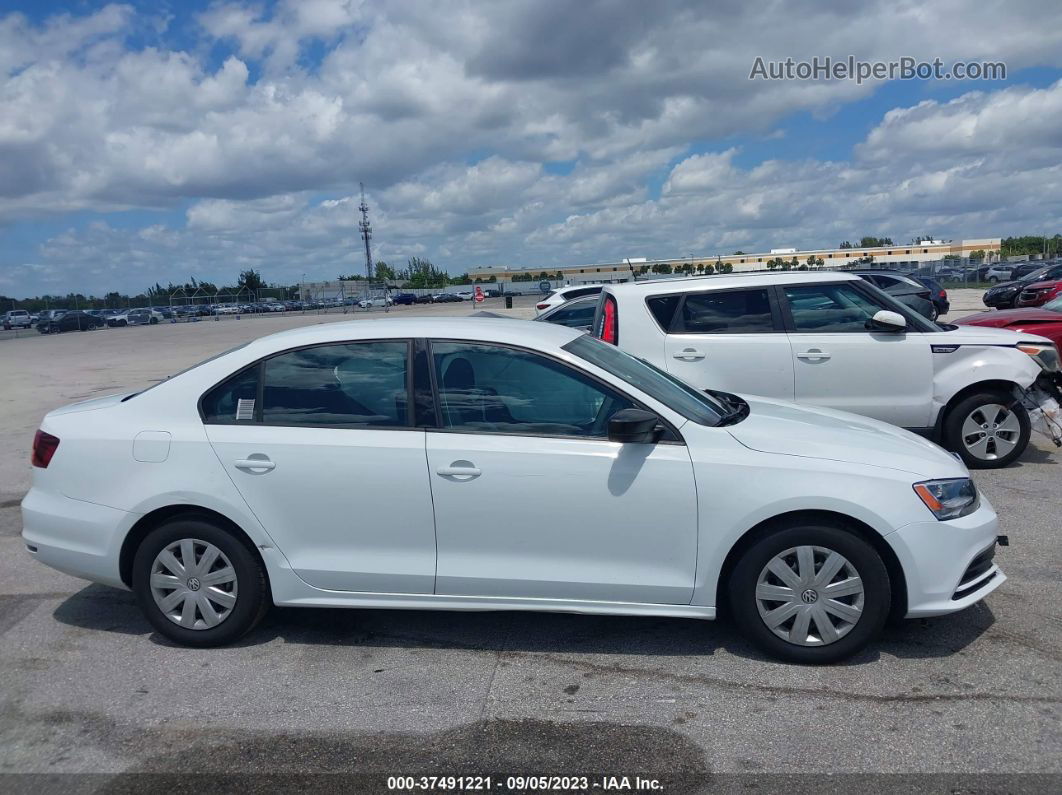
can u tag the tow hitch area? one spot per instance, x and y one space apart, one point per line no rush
1042 402
1003 541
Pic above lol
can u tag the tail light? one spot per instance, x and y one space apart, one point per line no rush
541 306
44 447
609 332
943 294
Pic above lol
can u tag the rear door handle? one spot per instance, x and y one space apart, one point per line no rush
689 355
814 353
253 464
460 469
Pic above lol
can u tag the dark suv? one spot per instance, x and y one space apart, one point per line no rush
904 289
1005 296
70 321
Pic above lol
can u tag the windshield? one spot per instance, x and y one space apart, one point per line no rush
673 393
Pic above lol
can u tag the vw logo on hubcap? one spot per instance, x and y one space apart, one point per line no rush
193 584
810 596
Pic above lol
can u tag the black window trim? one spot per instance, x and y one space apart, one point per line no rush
677 325
441 428
860 285
259 421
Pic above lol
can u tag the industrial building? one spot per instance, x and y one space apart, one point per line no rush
910 254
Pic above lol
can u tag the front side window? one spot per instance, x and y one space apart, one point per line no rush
488 388
727 312
361 383
830 308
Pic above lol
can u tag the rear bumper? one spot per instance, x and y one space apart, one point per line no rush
76 537
945 562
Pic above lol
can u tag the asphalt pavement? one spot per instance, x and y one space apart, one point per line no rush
87 688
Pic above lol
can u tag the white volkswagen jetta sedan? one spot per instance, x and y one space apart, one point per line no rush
404 463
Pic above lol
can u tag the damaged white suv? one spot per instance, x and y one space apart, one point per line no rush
834 340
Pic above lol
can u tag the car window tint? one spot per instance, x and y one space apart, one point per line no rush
362 383
232 400
574 316
663 309
494 389
727 312
830 308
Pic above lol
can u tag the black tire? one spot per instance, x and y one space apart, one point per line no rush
993 280
934 313
253 598
953 422
153 321
877 593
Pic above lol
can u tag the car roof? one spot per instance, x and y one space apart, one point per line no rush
730 280
504 330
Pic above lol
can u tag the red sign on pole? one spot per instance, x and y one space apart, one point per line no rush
479 294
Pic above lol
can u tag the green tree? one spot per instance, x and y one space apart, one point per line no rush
385 272
874 242
845 244
725 267
251 279
978 255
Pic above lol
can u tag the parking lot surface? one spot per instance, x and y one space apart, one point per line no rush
87 687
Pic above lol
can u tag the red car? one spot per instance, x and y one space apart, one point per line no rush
1045 321
1039 293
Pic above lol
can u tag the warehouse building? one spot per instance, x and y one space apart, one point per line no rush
910 254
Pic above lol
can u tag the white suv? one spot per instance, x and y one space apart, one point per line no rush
16 318
564 294
834 340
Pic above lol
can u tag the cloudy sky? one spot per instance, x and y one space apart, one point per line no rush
154 141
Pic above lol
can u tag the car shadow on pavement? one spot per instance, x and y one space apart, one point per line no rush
104 609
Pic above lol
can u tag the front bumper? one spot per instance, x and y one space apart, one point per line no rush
79 538
946 564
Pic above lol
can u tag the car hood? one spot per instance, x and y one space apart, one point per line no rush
1042 285
1009 317
975 334
774 426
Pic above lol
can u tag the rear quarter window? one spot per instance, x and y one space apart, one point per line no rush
662 308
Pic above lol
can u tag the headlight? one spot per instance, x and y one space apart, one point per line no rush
948 499
1045 354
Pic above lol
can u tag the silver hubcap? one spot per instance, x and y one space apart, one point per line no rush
193 584
810 596
991 431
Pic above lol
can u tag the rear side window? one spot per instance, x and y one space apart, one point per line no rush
363 383
232 400
727 312
663 308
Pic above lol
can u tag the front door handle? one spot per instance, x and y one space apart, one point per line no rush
255 463
464 470
689 355
814 354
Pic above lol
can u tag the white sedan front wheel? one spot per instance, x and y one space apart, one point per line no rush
810 593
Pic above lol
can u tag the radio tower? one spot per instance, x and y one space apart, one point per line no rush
366 231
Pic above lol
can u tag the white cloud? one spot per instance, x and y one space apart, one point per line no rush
503 132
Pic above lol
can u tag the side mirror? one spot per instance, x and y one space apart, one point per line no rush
885 320
633 425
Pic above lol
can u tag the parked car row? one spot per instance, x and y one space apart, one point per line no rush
1033 289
